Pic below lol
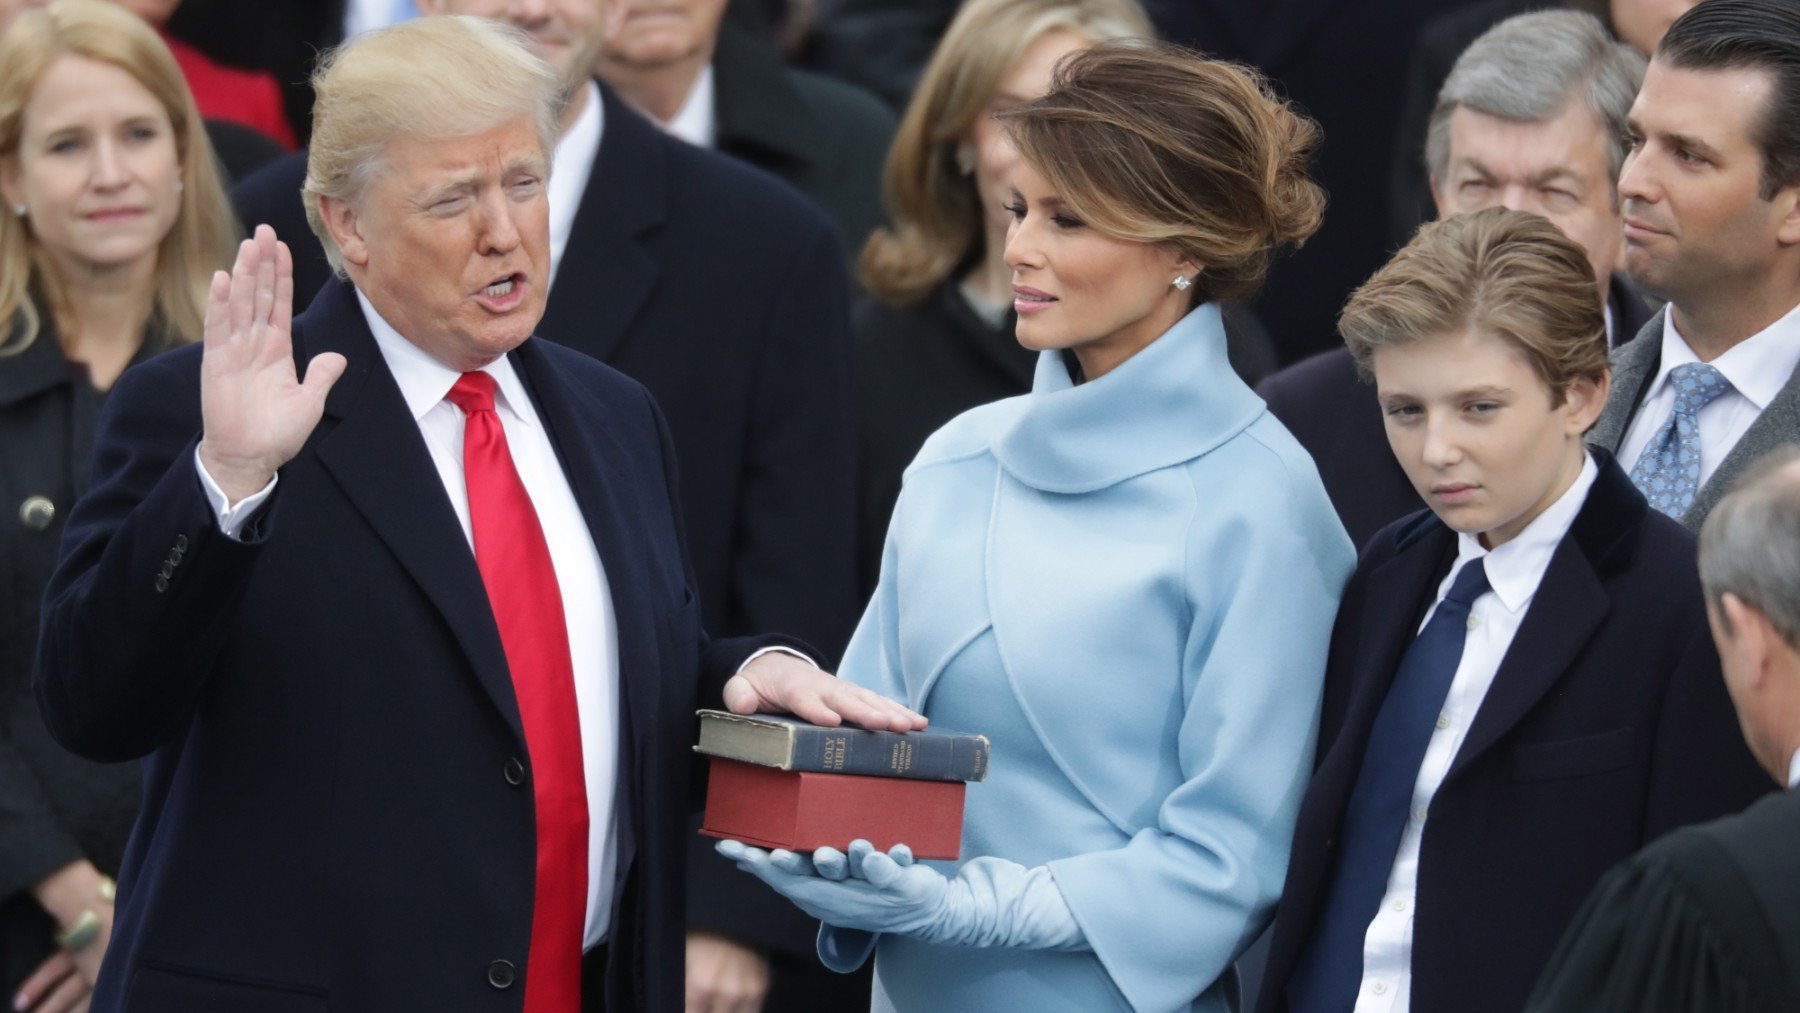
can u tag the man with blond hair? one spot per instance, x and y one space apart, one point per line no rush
392 598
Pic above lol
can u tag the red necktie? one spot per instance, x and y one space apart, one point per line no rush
521 585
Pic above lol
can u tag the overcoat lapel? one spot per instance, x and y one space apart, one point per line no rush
577 423
374 452
626 198
1395 597
1563 616
1565 612
1634 365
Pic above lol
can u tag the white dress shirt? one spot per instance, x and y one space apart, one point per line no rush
570 169
1758 367
1514 571
696 121
580 576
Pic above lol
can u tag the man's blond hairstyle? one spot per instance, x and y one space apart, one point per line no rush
1509 274
436 77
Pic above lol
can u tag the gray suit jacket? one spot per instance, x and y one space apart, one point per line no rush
1635 365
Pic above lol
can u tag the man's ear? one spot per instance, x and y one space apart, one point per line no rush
1587 399
345 226
1754 636
1787 205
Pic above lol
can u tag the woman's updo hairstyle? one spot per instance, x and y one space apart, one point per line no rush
1155 143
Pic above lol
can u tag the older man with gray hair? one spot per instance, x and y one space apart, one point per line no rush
1531 118
1707 920
392 599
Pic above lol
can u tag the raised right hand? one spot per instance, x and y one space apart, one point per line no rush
256 412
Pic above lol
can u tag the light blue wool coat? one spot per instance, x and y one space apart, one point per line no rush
1128 585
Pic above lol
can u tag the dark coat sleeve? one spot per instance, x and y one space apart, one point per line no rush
794 568
1660 934
720 658
137 613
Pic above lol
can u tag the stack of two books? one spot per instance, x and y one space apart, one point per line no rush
778 782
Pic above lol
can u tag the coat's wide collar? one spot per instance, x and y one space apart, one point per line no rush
1171 402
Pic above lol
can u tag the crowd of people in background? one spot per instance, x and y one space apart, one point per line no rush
1341 452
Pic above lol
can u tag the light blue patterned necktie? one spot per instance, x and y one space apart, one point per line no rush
1668 471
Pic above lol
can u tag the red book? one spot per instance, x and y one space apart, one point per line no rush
804 810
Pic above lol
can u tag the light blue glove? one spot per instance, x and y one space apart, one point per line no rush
990 902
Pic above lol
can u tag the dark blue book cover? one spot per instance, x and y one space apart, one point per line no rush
788 743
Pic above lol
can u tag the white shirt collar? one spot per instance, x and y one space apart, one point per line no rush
1757 367
695 121
1794 769
424 381
1515 569
570 169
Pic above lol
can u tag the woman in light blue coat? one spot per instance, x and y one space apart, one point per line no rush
1126 579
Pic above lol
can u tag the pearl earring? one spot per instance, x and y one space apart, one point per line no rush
965 158
1181 283
180 186
20 210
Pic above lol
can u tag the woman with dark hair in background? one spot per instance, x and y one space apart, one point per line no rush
114 222
1125 579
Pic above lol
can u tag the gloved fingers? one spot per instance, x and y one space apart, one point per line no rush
859 850
901 854
791 863
881 870
831 864
738 851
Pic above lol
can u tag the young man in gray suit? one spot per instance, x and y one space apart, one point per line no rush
1711 193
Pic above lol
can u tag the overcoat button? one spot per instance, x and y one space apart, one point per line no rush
514 771
181 543
162 583
502 974
37 512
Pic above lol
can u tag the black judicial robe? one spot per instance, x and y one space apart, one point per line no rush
1705 920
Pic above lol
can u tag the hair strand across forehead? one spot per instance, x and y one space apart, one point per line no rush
1509 274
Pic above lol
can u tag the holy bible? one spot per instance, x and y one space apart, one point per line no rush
777 740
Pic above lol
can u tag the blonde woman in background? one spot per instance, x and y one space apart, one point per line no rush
114 222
